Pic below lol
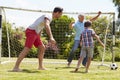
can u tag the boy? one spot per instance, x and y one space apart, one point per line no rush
86 41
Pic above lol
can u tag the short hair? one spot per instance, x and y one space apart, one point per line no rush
81 14
57 9
87 24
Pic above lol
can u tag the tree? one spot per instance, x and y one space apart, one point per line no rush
117 4
62 34
15 45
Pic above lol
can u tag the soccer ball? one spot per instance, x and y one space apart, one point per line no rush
113 66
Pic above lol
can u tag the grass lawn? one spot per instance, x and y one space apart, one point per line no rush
57 71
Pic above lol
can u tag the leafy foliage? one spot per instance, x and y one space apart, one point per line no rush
117 3
64 37
62 34
15 45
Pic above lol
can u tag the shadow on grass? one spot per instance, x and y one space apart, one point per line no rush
78 72
26 71
67 67
31 71
64 67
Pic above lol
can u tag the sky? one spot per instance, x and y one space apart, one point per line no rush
22 18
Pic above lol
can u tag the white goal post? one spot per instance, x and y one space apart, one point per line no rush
42 11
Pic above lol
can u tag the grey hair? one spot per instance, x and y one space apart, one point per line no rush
81 14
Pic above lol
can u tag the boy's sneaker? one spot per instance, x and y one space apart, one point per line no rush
86 71
76 70
68 65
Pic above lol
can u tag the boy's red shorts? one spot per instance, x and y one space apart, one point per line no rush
32 38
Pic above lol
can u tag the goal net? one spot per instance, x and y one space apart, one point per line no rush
16 20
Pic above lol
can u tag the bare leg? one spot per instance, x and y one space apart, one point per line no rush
41 50
20 58
88 64
78 64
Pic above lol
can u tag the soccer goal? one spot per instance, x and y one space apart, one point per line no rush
14 21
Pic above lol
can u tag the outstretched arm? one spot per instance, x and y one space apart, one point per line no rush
97 37
71 25
48 30
94 18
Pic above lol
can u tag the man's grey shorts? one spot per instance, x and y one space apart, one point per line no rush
87 51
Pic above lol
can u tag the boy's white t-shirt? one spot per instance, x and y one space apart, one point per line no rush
38 25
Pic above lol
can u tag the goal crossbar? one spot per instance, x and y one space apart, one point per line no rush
32 10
